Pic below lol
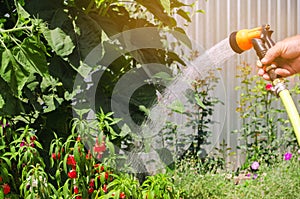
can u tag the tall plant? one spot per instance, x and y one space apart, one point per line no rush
264 127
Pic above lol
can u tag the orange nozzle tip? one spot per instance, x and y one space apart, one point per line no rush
242 40
244 37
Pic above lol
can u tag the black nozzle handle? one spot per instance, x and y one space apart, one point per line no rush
260 47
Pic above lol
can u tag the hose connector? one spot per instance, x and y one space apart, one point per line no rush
279 86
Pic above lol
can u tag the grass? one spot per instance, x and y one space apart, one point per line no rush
281 180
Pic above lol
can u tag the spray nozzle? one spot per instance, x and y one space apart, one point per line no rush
260 39
243 39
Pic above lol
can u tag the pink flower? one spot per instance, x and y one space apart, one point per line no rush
269 87
255 176
255 165
287 156
22 143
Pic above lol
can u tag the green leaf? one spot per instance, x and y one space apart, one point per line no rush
181 35
59 41
166 5
8 162
76 152
21 11
110 146
177 106
199 102
163 75
66 189
12 73
2 102
201 11
31 56
38 145
1 193
144 109
184 15
52 101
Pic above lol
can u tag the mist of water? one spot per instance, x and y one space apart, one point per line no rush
152 131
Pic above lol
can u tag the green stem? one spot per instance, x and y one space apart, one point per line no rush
15 29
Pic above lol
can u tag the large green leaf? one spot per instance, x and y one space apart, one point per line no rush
8 103
31 56
12 73
59 41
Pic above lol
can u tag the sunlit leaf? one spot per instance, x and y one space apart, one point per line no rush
166 5
59 41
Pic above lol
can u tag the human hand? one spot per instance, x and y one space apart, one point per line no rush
287 55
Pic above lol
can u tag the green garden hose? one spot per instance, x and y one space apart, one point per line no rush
291 111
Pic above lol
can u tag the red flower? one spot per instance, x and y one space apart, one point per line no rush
72 174
99 148
71 160
6 188
99 167
104 188
58 155
1 179
122 195
54 156
91 190
76 190
269 87
32 138
106 175
92 183
88 155
78 197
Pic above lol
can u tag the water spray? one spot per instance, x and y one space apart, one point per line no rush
260 39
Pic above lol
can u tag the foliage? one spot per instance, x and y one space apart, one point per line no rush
160 186
43 48
279 180
262 120
204 104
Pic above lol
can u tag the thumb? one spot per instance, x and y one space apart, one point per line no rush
272 53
